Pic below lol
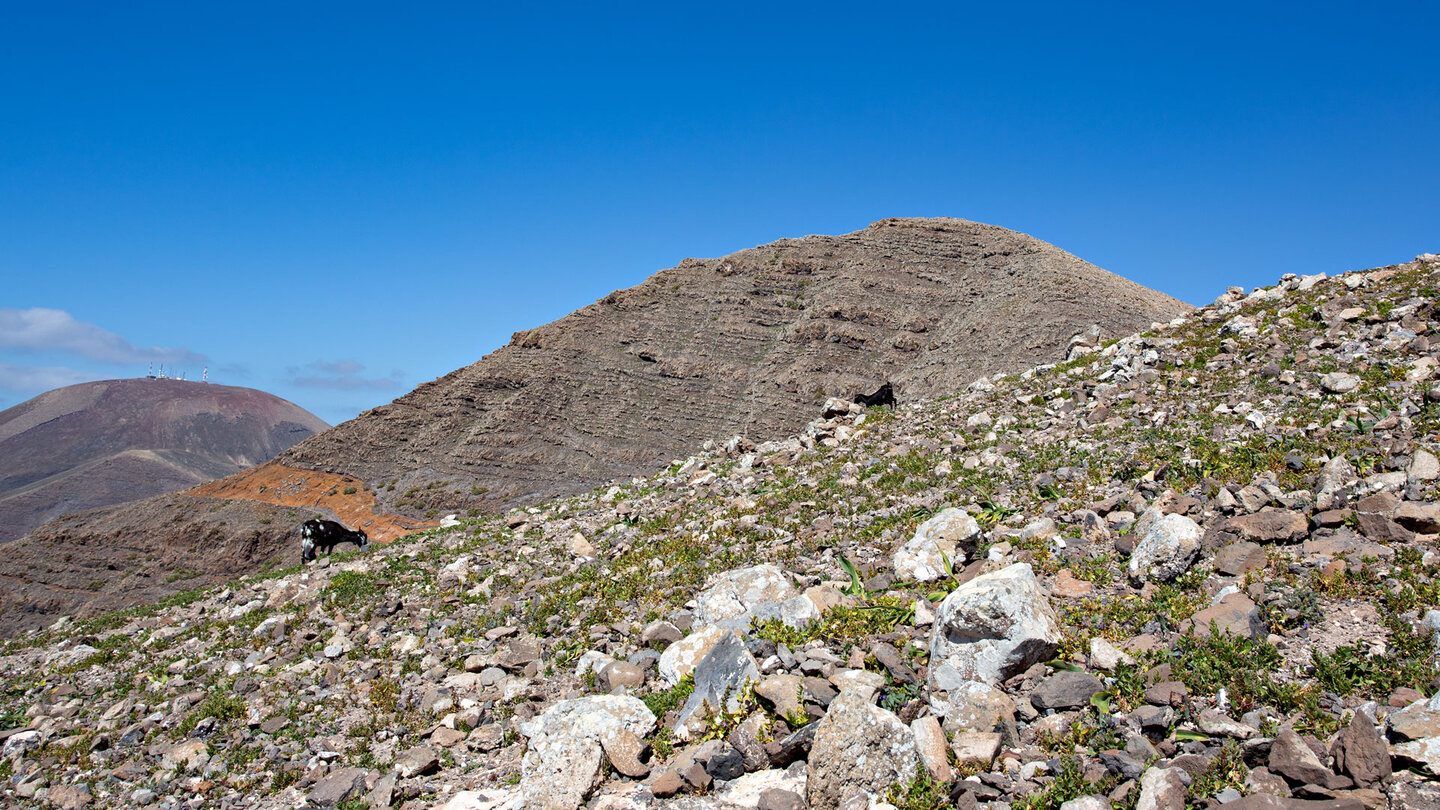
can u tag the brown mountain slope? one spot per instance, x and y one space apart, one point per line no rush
750 343
101 443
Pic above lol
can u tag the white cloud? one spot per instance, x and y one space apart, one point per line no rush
343 375
337 367
42 329
28 379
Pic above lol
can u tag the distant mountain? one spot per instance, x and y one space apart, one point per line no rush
102 443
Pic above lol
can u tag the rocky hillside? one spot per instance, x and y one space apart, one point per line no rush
1194 567
750 343
100 443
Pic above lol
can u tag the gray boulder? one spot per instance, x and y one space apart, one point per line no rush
733 598
562 764
1166 550
992 627
1163 789
859 750
937 540
1065 690
337 786
719 679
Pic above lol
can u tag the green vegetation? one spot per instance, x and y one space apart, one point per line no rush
922 793
841 625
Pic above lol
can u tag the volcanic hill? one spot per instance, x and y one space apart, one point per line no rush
101 443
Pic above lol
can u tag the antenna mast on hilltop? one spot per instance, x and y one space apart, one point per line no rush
150 375
205 375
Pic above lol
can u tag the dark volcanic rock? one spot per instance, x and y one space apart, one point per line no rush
1065 690
1361 753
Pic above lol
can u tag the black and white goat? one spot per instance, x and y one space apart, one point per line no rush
325 535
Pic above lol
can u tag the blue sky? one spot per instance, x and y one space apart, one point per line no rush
337 202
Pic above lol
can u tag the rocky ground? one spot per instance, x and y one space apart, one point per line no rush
1191 568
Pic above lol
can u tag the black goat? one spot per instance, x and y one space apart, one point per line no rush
885 396
326 534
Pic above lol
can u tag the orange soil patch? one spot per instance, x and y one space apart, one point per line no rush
286 486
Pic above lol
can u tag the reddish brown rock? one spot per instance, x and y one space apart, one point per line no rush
1270 526
1361 753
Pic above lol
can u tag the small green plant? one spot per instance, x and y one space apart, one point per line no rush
1068 784
1227 770
992 513
857 588
922 793
668 700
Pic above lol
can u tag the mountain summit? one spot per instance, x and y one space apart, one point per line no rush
748 344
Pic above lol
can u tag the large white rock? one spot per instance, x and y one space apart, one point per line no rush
858 748
1166 550
681 658
938 539
1163 789
493 799
562 763
1335 476
745 791
990 628
733 598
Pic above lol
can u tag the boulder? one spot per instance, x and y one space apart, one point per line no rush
1291 758
1163 789
1417 516
680 658
186 755
1420 754
937 541
719 679
1236 615
1361 753
1335 477
1166 550
976 748
975 706
1339 382
337 786
1065 690
562 763
1091 802
1418 721
1240 558
1107 656
781 692
417 762
1270 526
732 599
932 748
992 627
859 749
